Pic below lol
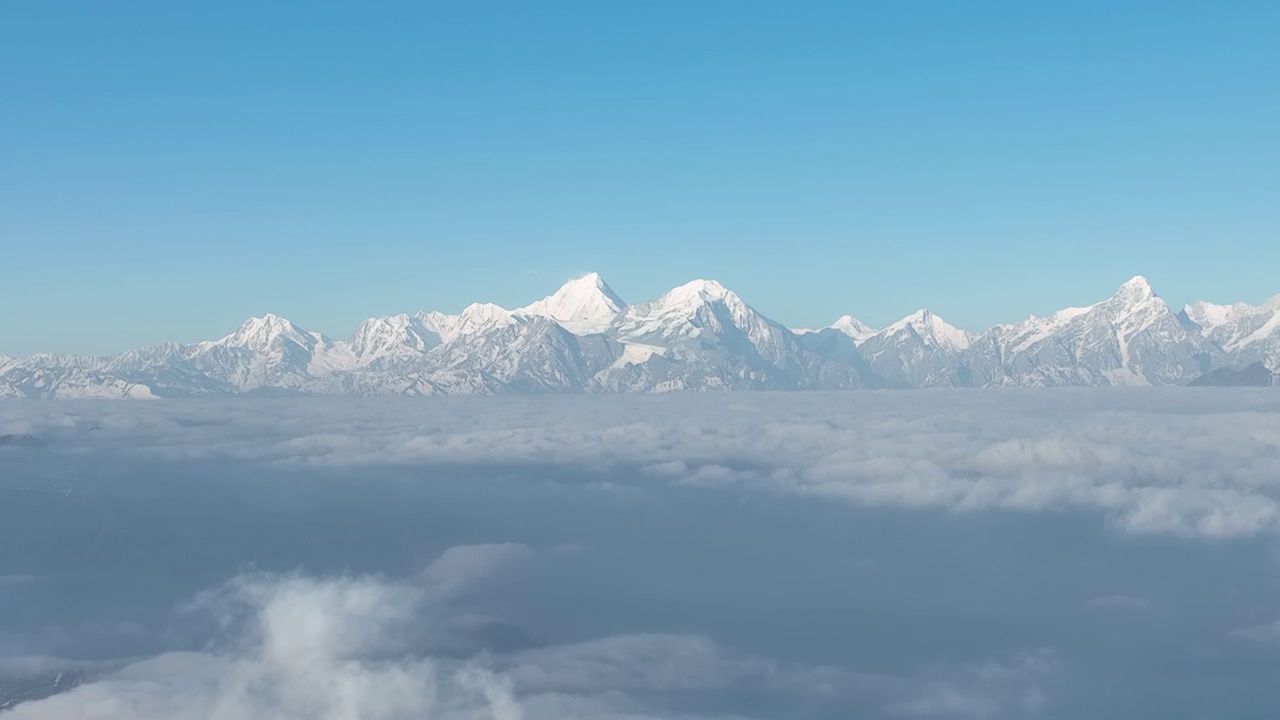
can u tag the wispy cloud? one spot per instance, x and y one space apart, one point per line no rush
1117 602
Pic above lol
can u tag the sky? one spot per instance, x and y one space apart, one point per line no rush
170 170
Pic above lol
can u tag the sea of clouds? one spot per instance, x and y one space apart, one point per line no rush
1155 460
1022 554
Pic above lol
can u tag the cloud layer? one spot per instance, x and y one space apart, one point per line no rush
1186 461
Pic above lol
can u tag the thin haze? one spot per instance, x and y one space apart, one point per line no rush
171 170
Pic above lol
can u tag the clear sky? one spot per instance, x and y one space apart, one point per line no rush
168 169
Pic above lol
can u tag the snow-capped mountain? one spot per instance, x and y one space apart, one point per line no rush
696 337
1131 338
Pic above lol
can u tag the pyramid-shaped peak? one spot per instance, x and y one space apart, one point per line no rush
1137 286
590 288
591 279
853 327
582 305
931 328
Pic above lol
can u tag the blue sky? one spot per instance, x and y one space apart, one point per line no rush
169 170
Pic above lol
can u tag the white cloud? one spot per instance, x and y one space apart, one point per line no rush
294 647
307 649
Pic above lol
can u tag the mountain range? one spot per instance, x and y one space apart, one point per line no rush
700 336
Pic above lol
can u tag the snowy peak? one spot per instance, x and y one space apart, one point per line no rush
1240 326
1135 306
696 292
474 318
399 336
434 321
1210 316
260 333
1137 288
853 327
931 330
582 306
478 317
678 306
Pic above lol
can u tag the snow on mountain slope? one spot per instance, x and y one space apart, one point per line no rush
1245 332
395 339
533 354
68 383
271 352
710 339
704 312
474 318
1131 338
853 327
583 306
921 349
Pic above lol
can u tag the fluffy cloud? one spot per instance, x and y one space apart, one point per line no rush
306 649
1186 461
292 646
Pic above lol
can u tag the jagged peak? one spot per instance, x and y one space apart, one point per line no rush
259 331
932 328
397 321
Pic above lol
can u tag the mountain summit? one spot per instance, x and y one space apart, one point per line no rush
582 306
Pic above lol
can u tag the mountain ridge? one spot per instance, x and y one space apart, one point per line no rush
699 336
